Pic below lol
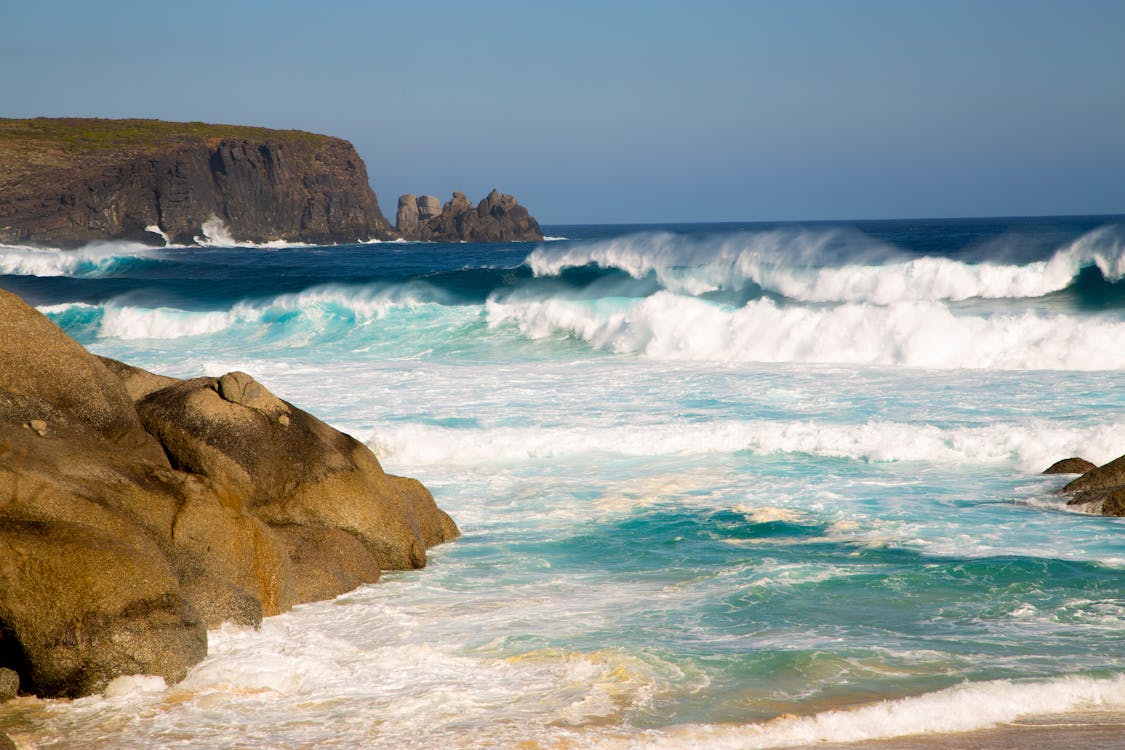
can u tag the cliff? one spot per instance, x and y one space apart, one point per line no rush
497 218
68 181
137 511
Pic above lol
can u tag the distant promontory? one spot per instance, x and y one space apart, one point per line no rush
66 182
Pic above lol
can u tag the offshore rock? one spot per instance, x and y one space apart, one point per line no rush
497 218
414 211
149 509
1072 465
65 182
1100 489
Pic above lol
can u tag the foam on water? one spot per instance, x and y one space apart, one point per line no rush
914 334
93 260
957 709
1031 446
826 266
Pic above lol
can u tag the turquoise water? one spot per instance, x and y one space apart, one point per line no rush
709 477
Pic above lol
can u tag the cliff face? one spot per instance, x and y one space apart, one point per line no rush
66 182
497 218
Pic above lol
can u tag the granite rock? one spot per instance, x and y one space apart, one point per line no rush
136 511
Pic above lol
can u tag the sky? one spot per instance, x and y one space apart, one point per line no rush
628 112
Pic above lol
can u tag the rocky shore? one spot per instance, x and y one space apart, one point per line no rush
137 511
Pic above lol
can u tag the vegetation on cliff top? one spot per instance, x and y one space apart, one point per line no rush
28 145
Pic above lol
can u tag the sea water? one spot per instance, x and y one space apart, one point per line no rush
720 485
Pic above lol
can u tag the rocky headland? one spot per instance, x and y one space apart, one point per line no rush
137 511
1098 489
497 218
65 182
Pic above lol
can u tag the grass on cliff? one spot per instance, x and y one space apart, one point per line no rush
43 143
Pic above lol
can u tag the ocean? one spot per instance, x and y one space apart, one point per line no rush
722 485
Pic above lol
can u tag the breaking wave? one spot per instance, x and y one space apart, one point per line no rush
1032 446
337 307
962 708
836 265
99 259
914 334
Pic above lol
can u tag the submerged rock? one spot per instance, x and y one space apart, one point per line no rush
136 511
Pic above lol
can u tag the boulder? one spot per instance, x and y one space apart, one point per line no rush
327 562
137 510
1099 490
81 607
38 360
289 468
1102 477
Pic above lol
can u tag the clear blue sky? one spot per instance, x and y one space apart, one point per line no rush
628 111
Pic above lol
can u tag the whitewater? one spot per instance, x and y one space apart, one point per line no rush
730 486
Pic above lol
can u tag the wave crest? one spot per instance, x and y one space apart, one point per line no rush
323 307
1032 446
835 265
919 334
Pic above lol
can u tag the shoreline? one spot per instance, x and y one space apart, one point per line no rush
1082 730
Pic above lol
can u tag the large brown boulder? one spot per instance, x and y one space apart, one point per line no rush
38 360
114 559
82 606
290 468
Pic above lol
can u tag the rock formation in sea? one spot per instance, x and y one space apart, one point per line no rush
497 218
1099 489
65 182
137 511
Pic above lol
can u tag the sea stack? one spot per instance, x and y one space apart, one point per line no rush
497 218
65 182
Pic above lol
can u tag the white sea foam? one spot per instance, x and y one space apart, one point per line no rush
1031 445
92 260
216 233
127 322
155 229
832 266
961 708
923 334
